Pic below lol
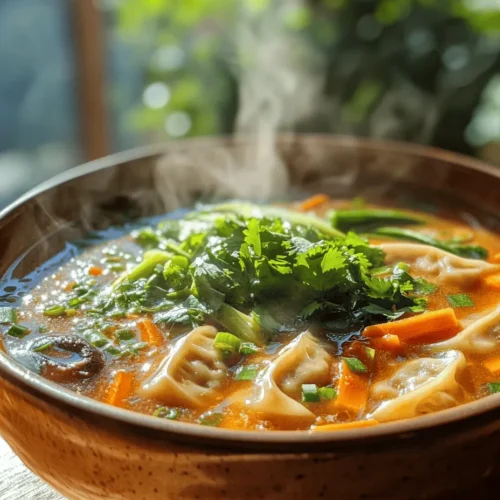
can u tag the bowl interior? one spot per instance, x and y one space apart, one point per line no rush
36 230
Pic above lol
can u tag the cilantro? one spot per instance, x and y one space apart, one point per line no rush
460 300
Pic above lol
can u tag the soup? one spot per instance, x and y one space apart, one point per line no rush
319 315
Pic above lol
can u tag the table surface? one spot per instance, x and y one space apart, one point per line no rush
17 482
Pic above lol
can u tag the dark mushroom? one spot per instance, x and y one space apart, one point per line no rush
67 358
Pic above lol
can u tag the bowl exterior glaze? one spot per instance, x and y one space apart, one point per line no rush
87 455
83 460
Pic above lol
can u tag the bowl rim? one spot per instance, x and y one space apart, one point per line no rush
46 389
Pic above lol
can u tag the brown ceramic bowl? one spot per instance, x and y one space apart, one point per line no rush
88 450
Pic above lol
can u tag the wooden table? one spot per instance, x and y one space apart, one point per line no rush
17 482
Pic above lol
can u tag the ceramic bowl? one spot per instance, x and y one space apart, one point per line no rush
88 450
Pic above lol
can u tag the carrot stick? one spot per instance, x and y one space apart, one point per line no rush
492 364
313 202
387 342
95 271
352 390
357 424
120 388
492 281
150 333
496 257
432 327
132 316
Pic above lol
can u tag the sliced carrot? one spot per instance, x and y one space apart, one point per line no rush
492 364
313 202
496 257
150 333
95 271
120 388
357 424
492 281
352 390
429 327
132 316
387 342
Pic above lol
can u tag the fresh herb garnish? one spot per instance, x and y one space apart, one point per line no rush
7 315
213 419
247 348
364 220
327 393
230 262
227 342
165 412
460 300
246 372
54 311
466 251
494 387
18 331
310 393
355 365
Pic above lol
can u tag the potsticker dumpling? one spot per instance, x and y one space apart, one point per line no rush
420 386
446 267
480 335
190 374
303 361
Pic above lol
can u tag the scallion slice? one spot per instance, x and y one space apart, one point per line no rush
43 347
327 393
460 300
125 334
165 412
247 372
355 365
310 393
370 352
212 419
494 387
7 315
54 311
248 348
227 342
18 331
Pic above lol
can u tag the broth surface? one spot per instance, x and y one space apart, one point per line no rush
133 356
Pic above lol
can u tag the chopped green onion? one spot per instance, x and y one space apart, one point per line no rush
7 315
125 334
114 351
369 218
494 387
327 393
355 365
460 300
168 413
53 311
43 347
18 331
227 342
370 352
95 339
310 393
248 372
211 419
42 329
248 348
71 312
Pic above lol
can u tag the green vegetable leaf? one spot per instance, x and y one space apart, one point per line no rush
460 300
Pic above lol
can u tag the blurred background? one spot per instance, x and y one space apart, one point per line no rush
81 79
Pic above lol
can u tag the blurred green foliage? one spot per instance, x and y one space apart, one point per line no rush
427 60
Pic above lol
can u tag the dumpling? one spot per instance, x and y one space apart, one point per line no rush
420 386
190 374
446 267
303 361
481 334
